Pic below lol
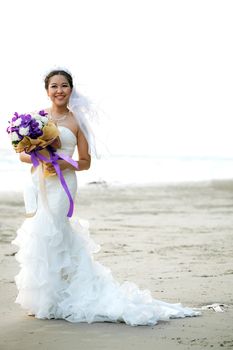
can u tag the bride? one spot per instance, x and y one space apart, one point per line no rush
59 278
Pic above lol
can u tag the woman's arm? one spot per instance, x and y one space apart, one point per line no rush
84 161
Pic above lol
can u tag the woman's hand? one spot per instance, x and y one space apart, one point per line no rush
56 143
24 157
62 165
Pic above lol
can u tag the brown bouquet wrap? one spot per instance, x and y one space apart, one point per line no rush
50 137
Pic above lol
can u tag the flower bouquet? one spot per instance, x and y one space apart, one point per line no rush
38 136
32 134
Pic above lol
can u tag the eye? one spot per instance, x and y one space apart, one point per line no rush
53 86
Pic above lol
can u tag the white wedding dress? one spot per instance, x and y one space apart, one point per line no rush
60 279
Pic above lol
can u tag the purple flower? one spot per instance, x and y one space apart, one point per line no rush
34 124
16 116
26 119
14 128
35 133
43 113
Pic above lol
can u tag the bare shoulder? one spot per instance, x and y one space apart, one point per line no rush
74 124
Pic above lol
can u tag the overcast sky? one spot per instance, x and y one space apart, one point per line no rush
162 71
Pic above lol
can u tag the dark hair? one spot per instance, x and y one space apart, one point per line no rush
58 72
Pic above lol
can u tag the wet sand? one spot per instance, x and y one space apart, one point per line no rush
175 240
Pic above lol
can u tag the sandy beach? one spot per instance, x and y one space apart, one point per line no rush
175 240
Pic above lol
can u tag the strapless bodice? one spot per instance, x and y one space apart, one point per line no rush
68 141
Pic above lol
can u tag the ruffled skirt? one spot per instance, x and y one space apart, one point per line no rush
59 277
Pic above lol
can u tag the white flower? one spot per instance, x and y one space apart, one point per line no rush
17 122
24 131
37 117
44 120
14 136
40 124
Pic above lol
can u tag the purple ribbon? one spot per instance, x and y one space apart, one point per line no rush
54 157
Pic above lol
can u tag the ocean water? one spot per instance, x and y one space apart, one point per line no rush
126 170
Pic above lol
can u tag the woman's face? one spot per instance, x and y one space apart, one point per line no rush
59 90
